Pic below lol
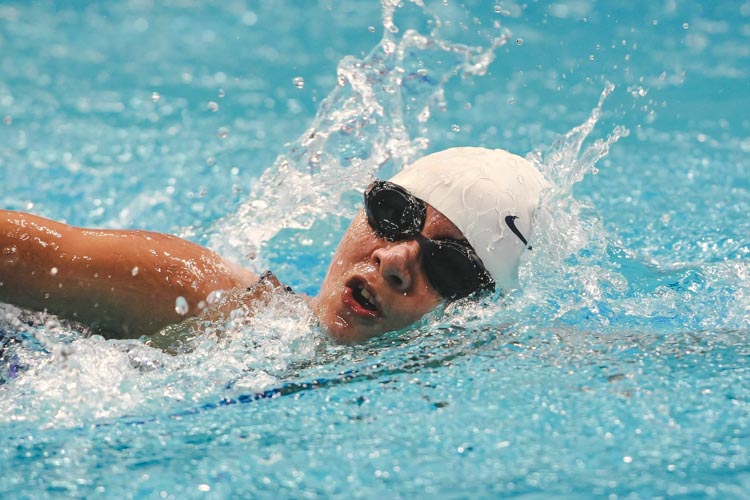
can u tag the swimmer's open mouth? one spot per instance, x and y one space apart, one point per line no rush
363 297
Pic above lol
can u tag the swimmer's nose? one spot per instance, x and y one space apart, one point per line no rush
398 263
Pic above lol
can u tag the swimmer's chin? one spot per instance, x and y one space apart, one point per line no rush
338 328
342 332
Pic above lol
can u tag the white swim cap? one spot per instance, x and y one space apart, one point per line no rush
490 195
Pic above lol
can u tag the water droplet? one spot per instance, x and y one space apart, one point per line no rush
53 271
181 306
134 271
298 82
9 255
213 106
214 297
249 18
155 97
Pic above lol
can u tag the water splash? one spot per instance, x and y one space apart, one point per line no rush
64 379
569 269
372 120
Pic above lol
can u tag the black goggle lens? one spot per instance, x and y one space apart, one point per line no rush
452 267
392 212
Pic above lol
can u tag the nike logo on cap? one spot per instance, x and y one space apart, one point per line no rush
510 220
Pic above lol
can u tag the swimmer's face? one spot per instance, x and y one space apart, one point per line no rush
375 286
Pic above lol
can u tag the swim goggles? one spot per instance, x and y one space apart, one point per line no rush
452 266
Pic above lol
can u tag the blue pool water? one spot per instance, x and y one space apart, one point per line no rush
620 370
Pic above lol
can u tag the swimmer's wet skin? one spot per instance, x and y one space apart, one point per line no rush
436 231
120 283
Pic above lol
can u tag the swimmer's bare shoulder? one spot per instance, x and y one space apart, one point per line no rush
122 283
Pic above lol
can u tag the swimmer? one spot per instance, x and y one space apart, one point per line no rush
451 225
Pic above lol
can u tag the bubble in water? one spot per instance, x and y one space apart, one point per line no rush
685 26
213 106
298 82
7 119
371 29
53 271
181 306
221 93
155 97
519 41
223 133
134 271
456 128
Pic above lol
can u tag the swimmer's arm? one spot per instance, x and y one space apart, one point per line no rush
122 283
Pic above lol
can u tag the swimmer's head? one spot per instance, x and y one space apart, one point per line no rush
491 195
450 224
